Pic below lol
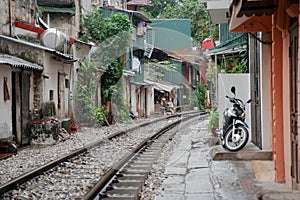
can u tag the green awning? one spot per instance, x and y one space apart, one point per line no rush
234 42
57 9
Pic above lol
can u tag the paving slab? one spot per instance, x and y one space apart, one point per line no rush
208 196
170 197
197 159
198 181
175 170
198 171
174 185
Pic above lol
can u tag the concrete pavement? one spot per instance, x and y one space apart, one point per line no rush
192 174
188 169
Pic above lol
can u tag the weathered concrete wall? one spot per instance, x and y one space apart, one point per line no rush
64 22
86 6
150 101
5 106
23 10
20 10
56 71
4 27
266 114
25 52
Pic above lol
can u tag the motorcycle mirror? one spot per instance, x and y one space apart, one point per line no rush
233 90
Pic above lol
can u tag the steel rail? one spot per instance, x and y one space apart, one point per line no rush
107 178
16 182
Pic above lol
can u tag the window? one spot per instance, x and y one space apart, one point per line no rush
51 95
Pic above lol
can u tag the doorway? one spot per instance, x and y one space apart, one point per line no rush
20 107
293 102
256 136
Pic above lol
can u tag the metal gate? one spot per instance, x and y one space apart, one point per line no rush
293 53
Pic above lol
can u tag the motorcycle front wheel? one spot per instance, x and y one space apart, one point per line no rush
237 142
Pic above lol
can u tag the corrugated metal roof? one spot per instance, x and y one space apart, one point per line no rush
235 42
62 55
170 34
18 62
57 9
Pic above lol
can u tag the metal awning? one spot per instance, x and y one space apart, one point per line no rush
18 62
250 8
229 45
161 86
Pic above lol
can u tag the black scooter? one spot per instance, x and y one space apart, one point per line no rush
235 131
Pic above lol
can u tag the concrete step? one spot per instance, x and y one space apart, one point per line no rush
249 152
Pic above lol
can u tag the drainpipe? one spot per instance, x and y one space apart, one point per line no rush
216 103
9 15
69 94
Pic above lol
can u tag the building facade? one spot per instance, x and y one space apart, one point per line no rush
274 26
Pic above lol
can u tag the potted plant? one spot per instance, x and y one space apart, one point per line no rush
213 121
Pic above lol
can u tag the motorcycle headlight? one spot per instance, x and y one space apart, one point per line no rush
232 112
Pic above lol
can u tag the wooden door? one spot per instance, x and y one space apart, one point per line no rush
25 114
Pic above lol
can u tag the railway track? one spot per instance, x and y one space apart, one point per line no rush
90 172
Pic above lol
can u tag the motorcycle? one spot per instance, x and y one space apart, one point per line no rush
235 132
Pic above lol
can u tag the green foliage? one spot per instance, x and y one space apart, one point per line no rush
87 76
187 9
213 119
120 107
235 64
112 37
98 29
158 6
110 79
100 114
199 93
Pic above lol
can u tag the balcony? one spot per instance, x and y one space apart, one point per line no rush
218 10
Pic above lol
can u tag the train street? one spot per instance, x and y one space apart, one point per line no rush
179 168
149 99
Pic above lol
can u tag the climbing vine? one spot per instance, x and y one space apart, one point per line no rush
112 37
86 89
